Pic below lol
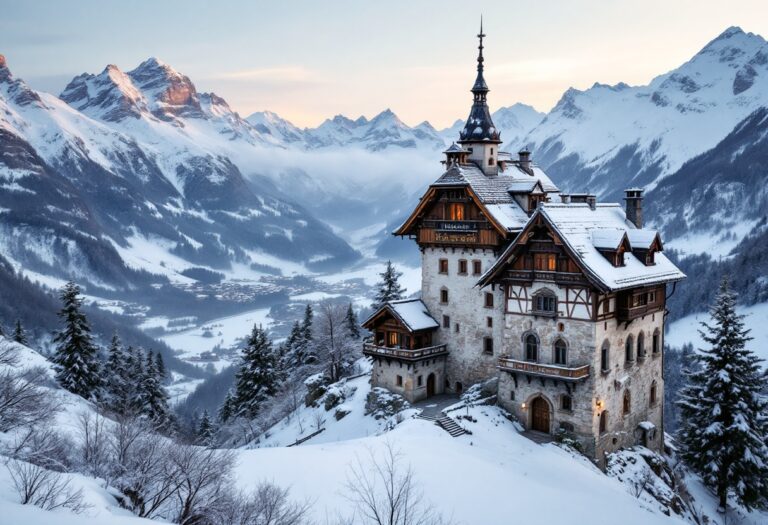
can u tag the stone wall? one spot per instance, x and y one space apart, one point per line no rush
385 372
635 377
467 364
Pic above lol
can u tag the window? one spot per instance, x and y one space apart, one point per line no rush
446 321
560 327
380 338
444 295
490 161
488 345
392 339
489 322
512 395
399 380
477 267
566 402
463 266
652 397
639 299
629 353
560 352
651 297
491 151
604 355
457 328
488 300
545 303
607 306
456 211
545 262
626 406
656 344
649 258
443 268
419 380
641 345
603 421
531 348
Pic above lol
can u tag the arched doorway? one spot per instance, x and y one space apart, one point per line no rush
540 415
430 385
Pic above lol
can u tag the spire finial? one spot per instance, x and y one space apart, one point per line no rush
480 35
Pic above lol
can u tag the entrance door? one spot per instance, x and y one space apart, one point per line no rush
540 415
430 385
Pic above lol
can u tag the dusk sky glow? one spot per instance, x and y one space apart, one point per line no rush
310 60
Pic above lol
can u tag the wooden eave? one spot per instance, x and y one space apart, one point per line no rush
387 309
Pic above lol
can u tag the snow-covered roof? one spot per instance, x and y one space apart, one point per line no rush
642 239
522 185
578 225
607 238
412 313
494 191
455 148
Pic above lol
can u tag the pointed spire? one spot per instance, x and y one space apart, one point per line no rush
480 85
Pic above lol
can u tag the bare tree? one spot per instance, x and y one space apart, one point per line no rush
319 420
149 479
268 504
43 446
23 401
384 492
9 356
44 488
637 485
335 345
204 482
94 444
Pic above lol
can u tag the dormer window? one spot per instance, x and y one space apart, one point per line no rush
456 211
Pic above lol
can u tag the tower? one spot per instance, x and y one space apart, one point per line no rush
479 136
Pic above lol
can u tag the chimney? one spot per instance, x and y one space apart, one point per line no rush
592 201
524 159
565 198
634 206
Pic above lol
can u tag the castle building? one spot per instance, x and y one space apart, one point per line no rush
559 297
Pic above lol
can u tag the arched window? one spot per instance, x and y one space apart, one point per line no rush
531 348
652 397
603 421
656 344
629 354
561 352
627 404
605 352
641 345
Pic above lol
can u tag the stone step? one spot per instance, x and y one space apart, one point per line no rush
449 425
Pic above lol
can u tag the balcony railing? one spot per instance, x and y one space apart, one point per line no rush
403 353
537 369
540 275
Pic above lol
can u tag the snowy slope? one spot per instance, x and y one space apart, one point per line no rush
612 137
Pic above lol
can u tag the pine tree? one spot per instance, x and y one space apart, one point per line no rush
161 370
389 288
306 324
205 431
18 333
724 412
227 407
258 377
116 377
352 325
137 396
155 398
294 351
76 361
2 332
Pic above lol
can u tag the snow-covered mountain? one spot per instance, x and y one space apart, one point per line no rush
132 171
607 138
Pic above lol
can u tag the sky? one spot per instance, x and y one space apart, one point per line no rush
309 60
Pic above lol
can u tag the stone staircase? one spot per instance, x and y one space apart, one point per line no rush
447 423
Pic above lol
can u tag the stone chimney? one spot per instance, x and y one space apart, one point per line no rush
592 201
565 198
634 206
524 159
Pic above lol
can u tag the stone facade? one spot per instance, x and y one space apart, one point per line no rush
468 316
414 376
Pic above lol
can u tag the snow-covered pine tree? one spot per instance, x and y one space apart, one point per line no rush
227 407
389 288
115 377
205 431
156 399
162 373
353 326
293 352
18 333
137 394
306 323
76 361
723 409
258 377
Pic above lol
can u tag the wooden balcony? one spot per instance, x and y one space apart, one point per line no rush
538 275
627 313
407 354
543 370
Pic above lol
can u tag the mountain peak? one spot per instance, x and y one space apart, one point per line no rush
728 33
